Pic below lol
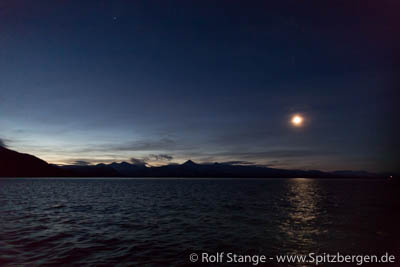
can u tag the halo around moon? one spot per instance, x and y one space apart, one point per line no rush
297 120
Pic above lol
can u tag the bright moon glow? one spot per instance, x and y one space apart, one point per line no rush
297 120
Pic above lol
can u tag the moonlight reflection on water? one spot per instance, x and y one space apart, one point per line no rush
301 224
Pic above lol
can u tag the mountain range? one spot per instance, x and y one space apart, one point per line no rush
15 164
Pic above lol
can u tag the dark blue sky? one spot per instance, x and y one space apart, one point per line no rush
165 81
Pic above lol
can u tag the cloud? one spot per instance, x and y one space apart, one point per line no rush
137 161
161 157
89 162
142 145
81 163
164 143
151 157
238 162
5 142
2 143
278 153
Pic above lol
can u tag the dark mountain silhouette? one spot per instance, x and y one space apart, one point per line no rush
99 170
127 169
14 164
189 163
220 170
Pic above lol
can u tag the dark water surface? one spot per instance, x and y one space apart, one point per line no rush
146 222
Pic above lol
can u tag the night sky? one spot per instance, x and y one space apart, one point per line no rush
164 81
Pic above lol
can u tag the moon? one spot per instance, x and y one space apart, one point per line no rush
297 120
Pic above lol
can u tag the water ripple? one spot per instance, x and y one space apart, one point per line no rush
158 222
